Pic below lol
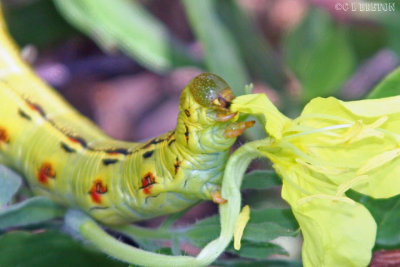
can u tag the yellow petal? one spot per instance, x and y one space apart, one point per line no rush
378 161
259 104
241 223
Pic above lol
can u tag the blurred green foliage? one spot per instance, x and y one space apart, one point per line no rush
50 248
37 23
321 53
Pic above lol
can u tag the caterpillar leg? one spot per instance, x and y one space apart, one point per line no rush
223 116
217 198
236 129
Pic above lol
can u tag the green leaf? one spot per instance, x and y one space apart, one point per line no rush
366 41
319 53
386 213
390 23
9 185
264 225
222 55
389 86
261 179
266 231
203 231
258 251
37 23
31 211
128 26
48 249
282 217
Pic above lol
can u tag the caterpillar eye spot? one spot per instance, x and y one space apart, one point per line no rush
45 172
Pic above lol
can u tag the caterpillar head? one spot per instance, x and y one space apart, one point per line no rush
207 100
206 115
210 90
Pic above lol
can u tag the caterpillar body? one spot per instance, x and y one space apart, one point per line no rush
66 157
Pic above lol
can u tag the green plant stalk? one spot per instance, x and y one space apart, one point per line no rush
229 213
222 55
73 11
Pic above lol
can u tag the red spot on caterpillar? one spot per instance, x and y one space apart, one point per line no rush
97 190
45 172
73 140
77 140
36 108
147 182
4 135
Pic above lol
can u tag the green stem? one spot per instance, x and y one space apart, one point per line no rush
93 232
229 212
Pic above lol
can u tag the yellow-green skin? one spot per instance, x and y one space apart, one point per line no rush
66 157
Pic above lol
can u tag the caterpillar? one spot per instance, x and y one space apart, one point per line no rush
65 157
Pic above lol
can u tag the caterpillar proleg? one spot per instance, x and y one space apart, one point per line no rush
66 157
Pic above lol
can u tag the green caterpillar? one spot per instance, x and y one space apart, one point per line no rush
67 158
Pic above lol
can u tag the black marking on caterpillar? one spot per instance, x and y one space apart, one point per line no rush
77 139
36 107
171 142
187 133
172 134
187 112
107 162
153 142
116 151
24 115
67 148
148 154
177 165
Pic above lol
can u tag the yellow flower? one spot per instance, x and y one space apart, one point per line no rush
331 147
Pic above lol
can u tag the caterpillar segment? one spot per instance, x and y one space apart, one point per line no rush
67 158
